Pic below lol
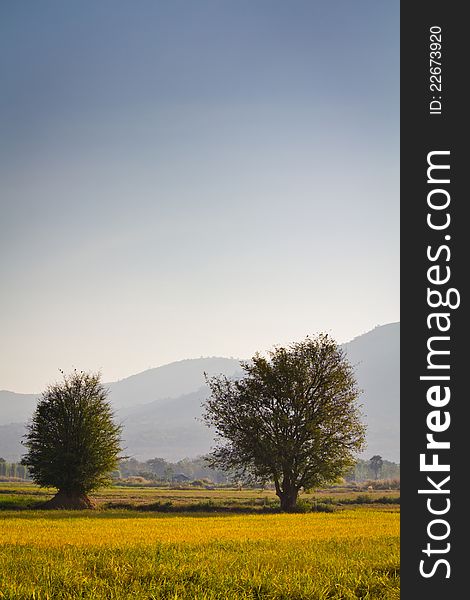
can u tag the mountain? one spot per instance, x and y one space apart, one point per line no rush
172 427
10 441
376 359
160 409
152 387
175 428
16 407
169 381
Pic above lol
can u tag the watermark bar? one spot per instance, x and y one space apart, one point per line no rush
434 285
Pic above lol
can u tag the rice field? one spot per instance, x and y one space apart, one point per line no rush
123 554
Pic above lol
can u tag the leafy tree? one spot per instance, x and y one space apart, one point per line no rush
157 466
72 440
292 418
376 464
168 473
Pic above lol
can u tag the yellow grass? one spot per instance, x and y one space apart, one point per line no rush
125 531
124 555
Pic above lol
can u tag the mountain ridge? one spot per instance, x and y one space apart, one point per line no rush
160 408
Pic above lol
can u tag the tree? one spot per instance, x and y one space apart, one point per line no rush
72 440
376 464
291 419
157 466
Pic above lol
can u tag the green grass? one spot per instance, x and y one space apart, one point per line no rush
190 499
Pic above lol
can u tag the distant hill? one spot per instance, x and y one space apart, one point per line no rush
16 407
10 441
168 381
160 407
172 427
376 358
151 387
154 385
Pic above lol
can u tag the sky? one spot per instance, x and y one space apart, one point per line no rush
182 179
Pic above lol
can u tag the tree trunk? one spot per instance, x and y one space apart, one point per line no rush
69 501
288 499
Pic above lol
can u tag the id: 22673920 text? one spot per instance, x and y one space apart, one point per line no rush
435 70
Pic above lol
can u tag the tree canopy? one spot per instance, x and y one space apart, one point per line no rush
292 418
376 464
73 443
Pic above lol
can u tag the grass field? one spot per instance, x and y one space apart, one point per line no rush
24 495
352 553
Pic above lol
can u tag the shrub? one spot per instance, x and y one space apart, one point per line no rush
323 507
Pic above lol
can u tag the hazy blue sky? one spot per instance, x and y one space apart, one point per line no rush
187 178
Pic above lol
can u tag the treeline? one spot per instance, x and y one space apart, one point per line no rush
158 469
13 471
161 470
363 471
